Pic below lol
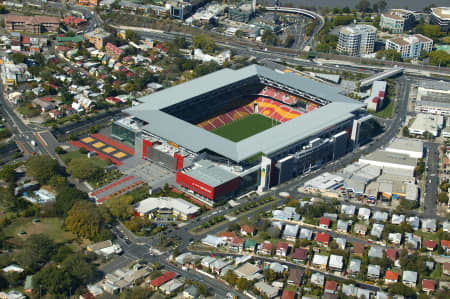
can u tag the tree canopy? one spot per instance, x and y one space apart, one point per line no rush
66 197
83 168
88 221
204 42
42 168
37 250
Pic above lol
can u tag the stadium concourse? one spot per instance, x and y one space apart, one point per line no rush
235 131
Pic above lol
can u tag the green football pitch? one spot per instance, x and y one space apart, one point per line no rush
245 127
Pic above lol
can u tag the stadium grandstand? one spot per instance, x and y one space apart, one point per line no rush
234 131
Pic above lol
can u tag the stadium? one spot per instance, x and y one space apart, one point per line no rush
234 131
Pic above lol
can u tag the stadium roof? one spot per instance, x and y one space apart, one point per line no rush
269 141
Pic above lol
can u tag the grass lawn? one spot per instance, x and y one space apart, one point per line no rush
245 127
387 111
28 112
76 154
52 227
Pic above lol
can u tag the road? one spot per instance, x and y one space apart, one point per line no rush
431 179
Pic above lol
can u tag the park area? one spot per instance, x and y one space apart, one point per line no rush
245 127
21 229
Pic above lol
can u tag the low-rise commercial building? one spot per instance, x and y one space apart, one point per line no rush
427 123
406 146
166 205
386 159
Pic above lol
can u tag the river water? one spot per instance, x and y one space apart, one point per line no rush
416 5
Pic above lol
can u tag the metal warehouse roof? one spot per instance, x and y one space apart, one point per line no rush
269 141
210 174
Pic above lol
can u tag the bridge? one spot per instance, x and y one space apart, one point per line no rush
310 14
380 76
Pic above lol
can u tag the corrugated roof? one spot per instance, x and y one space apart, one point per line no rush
269 141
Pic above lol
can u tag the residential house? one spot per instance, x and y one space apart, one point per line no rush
414 221
113 51
228 236
377 230
375 252
380 216
324 222
219 264
446 268
191 292
318 279
341 242
55 114
247 230
305 234
397 219
395 238
413 241
428 286
320 261
278 268
282 249
330 286
445 244
342 226
266 290
391 277
213 241
323 239
446 226
373 271
430 245
348 210
336 263
287 294
266 248
364 214
354 267
331 216
300 255
247 270
171 287
410 278
358 249
237 244
295 276
159 281
207 261
429 225
46 104
290 232
250 245
360 229
391 254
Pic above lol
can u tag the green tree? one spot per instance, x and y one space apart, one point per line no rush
405 131
88 221
135 293
381 4
52 280
439 58
431 31
18 58
120 207
242 284
66 197
346 9
204 42
37 250
41 168
8 173
131 35
443 197
342 20
269 37
83 168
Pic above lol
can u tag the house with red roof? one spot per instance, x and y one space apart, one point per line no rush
159 281
300 255
324 222
445 244
391 277
55 114
358 249
391 254
266 248
282 249
113 100
237 244
330 286
428 286
323 239
247 230
288 294
430 245
113 51
229 236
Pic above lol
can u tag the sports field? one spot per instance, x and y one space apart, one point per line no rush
245 127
